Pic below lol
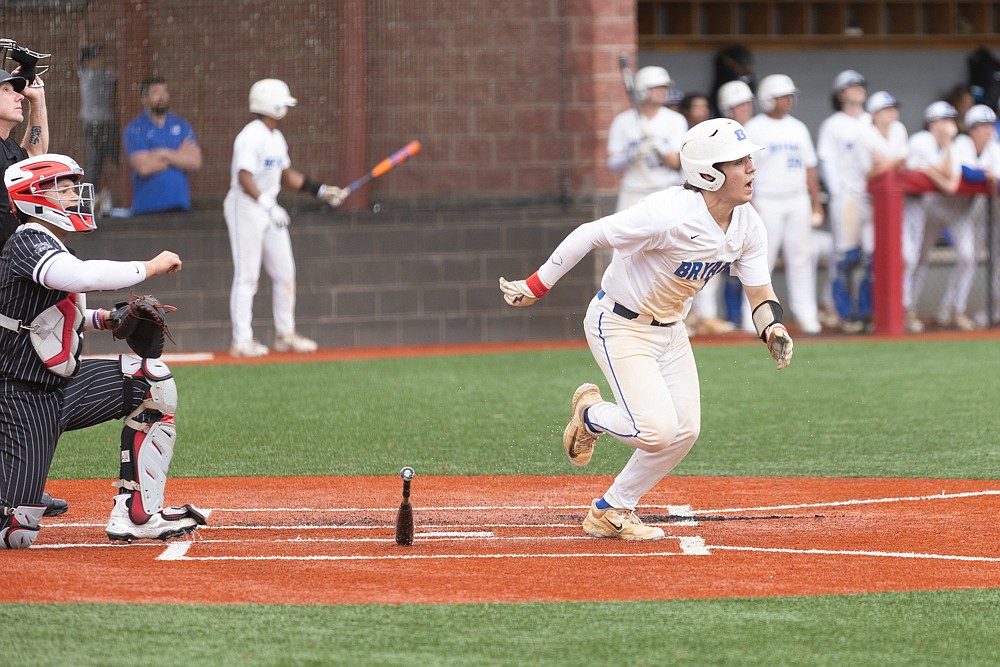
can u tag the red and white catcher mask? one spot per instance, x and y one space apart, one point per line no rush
38 188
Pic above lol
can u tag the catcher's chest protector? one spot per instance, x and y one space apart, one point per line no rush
57 333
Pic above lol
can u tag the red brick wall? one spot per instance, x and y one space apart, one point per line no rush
510 98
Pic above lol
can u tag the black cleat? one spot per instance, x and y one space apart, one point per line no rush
54 506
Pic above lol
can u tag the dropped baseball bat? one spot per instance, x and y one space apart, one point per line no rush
404 517
403 154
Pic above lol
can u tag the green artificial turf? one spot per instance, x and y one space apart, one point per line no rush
905 629
872 409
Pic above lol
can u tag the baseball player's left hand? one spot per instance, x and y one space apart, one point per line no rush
332 195
517 293
779 344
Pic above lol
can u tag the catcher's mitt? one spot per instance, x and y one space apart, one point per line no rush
141 323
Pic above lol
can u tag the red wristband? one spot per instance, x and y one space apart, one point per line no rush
536 285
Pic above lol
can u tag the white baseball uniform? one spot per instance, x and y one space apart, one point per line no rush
895 146
644 174
962 216
665 249
781 196
924 151
842 159
252 236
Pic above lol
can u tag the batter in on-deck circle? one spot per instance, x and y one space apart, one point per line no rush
258 225
666 248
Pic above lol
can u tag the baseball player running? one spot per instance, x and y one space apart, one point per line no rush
46 389
258 225
666 248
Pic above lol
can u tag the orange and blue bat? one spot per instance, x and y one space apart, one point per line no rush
404 153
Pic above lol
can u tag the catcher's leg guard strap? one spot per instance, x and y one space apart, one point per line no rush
23 528
148 437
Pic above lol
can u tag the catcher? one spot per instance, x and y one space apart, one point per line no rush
45 388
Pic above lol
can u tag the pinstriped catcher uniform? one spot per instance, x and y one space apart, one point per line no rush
45 389
35 404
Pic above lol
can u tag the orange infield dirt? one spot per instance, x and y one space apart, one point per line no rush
329 540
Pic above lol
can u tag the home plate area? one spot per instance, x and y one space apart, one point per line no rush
480 539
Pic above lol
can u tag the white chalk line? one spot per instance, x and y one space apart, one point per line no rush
674 510
690 545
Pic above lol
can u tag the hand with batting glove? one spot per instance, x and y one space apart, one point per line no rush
521 293
779 344
279 216
332 195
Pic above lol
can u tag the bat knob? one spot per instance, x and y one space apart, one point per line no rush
407 474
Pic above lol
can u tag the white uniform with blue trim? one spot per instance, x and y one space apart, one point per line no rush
254 240
665 250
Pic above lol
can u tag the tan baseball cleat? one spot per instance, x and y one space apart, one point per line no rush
578 441
620 523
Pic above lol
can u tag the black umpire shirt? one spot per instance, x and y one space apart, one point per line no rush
10 152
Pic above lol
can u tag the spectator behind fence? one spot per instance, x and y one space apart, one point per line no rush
930 154
161 149
98 83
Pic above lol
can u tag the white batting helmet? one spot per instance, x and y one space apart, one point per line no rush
271 98
707 144
980 114
33 183
939 109
650 77
771 88
731 94
848 78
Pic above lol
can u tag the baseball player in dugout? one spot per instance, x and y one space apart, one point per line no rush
665 248
258 225
46 389
787 194
643 144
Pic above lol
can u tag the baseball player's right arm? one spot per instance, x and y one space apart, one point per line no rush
567 254
279 216
36 136
67 273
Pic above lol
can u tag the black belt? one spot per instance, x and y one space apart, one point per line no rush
629 314
10 384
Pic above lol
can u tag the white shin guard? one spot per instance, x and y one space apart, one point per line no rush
150 445
23 528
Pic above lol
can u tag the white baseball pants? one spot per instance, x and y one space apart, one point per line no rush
254 241
653 375
788 221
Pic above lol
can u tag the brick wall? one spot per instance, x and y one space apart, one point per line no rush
510 99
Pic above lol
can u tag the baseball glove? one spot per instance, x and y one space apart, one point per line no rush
141 322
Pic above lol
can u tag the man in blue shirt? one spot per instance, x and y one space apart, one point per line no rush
161 148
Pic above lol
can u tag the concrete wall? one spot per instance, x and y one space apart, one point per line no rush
364 279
